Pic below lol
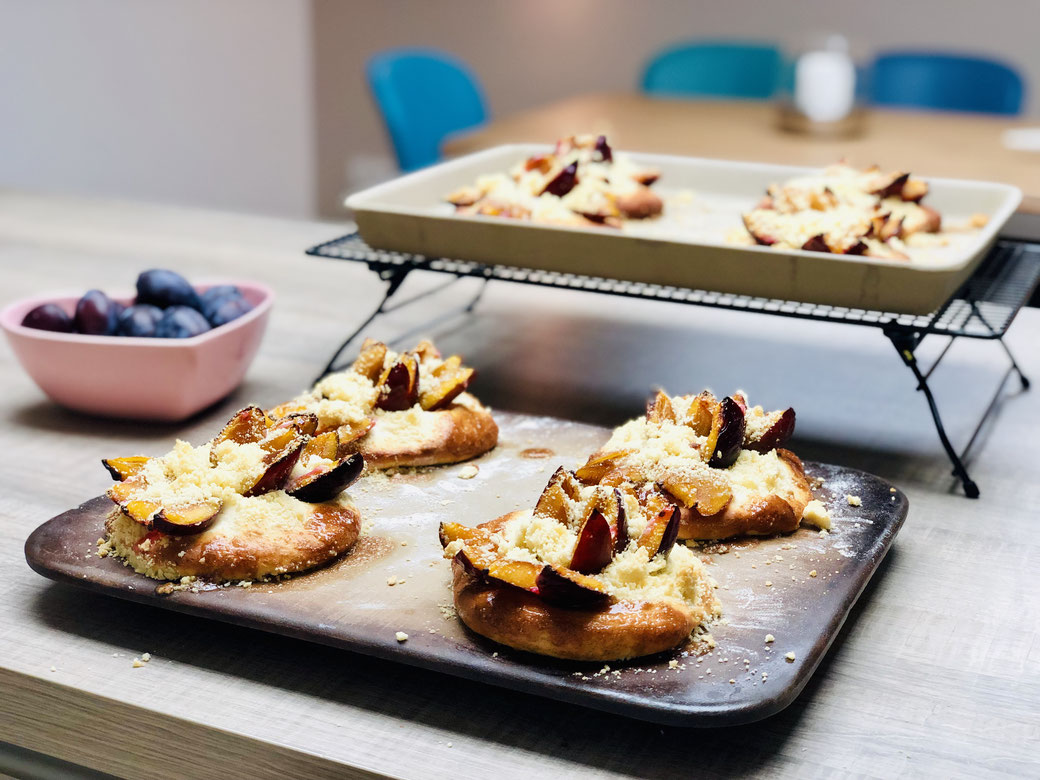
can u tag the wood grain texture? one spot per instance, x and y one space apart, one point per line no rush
932 675
749 131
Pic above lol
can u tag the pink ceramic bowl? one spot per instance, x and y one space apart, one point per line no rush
138 378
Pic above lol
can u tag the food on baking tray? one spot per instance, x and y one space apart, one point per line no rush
720 462
400 409
844 210
582 182
166 306
593 573
264 497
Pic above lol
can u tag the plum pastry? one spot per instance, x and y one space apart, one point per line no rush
581 183
400 409
720 462
592 573
264 497
843 210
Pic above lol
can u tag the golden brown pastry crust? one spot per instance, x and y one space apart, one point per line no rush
762 516
520 619
248 554
457 433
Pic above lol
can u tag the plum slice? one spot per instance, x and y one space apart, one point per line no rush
249 425
660 409
305 423
370 362
282 452
777 434
891 186
612 506
451 532
599 465
707 494
701 413
451 379
487 565
606 154
595 545
570 589
817 244
661 532
561 489
726 435
123 468
186 519
563 182
324 483
140 511
399 385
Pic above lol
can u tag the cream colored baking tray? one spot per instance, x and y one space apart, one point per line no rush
689 245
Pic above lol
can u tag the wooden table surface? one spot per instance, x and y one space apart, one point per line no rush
964 146
932 675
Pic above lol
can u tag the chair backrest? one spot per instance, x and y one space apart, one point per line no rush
423 95
945 81
718 69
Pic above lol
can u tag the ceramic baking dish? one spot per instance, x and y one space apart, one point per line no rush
688 246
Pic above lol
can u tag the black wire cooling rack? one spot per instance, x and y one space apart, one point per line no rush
983 308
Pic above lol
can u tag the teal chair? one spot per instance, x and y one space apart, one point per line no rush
946 82
737 70
423 95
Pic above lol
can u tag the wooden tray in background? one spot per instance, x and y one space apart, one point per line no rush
765 587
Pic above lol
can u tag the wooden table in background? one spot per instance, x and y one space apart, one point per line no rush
960 146
934 673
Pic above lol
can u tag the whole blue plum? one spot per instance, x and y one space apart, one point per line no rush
161 287
139 320
229 309
181 322
215 296
96 314
49 316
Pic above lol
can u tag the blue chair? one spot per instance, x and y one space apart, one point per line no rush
738 70
423 95
945 81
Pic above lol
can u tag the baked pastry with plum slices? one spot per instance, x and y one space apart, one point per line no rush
400 409
264 497
583 182
720 462
591 574
844 210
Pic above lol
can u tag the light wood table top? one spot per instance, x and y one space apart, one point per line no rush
932 675
964 146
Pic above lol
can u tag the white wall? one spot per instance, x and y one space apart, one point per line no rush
201 102
260 105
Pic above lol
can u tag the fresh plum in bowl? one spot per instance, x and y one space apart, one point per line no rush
160 357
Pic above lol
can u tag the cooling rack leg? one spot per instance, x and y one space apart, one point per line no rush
905 345
1014 364
395 278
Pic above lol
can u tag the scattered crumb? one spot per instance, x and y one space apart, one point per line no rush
770 638
446 502
391 581
245 583
54 668
404 543
104 548
401 636
140 661
815 513
789 657
854 500
494 655
468 472
732 681
769 583
891 490
673 664
812 573
449 744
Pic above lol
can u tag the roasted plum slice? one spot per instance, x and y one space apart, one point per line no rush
660 409
891 186
760 237
817 244
399 385
305 423
561 489
701 413
563 182
282 451
611 503
186 519
599 465
249 425
370 362
488 565
661 532
452 532
595 545
777 434
708 494
451 379
570 589
606 154
726 435
325 482
124 468
914 190
350 433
